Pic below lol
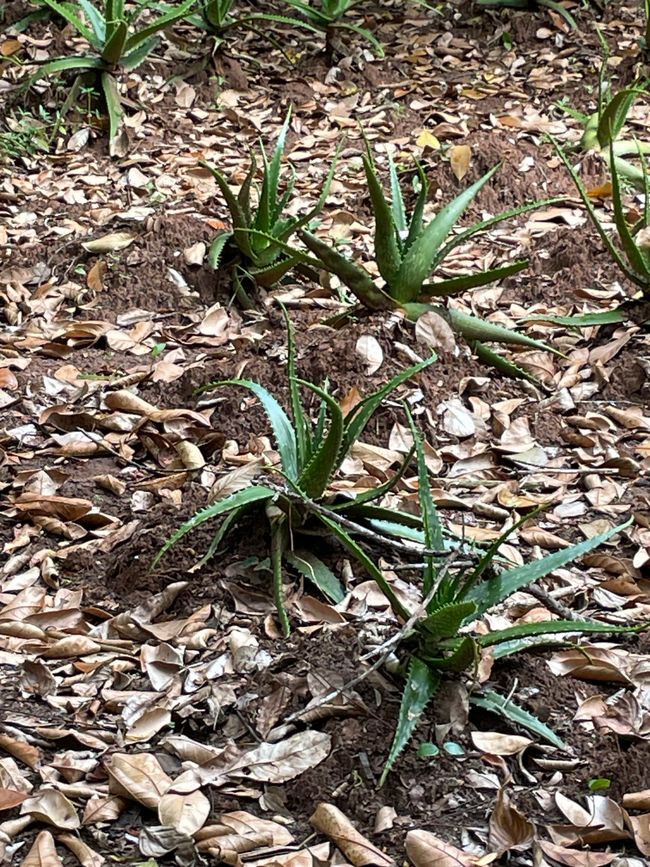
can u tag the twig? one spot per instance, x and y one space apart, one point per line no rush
384 649
359 529
552 604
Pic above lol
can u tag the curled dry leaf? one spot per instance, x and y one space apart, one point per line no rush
86 856
498 744
102 809
435 332
139 777
53 808
457 419
509 829
573 858
329 820
637 800
278 763
427 850
640 826
110 243
185 813
369 349
43 852
10 798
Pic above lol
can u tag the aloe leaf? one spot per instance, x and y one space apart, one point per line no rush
559 8
415 225
237 214
593 216
447 619
113 105
355 278
552 627
217 248
418 261
283 430
430 519
115 44
372 512
64 64
96 20
421 685
138 55
627 241
579 320
491 701
66 12
473 328
463 655
371 568
160 23
323 463
366 34
613 117
397 200
267 210
298 414
316 572
504 365
454 285
253 494
360 415
244 194
490 593
226 526
387 251
270 274
483 225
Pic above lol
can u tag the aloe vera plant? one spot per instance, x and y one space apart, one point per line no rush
328 17
219 17
632 253
310 455
407 252
527 5
117 43
255 250
443 641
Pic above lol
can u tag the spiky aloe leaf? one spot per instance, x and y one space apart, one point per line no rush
267 212
237 214
298 414
316 572
323 463
490 593
253 494
63 64
113 106
473 328
421 685
430 519
418 261
67 12
115 43
498 362
553 627
216 249
366 34
387 251
397 200
226 526
447 620
578 320
283 430
175 14
454 285
612 118
269 275
355 278
138 55
415 224
96 19
371 568
463 655
495 703
634 256
593 216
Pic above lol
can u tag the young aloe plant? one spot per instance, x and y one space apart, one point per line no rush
328 17
553 5
255 249
443 641
632 254
218 18
310 455
116 41
407 252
